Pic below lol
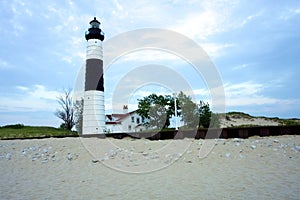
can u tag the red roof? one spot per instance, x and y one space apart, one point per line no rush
118 117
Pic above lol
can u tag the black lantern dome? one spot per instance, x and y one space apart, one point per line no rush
94 31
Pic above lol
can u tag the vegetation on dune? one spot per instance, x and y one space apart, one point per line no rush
231 116
21 131
290 122
245 126
239 115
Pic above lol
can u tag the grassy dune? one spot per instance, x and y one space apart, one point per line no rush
240 119
21 131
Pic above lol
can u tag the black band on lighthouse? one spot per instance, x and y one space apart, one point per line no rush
94 75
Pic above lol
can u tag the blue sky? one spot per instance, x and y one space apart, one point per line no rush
254 45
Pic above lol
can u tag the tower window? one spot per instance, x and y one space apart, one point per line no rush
137 120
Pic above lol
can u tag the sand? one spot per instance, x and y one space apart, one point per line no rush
243 121
91 168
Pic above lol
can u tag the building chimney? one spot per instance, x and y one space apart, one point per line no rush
125 109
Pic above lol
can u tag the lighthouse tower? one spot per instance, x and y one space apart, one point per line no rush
93 106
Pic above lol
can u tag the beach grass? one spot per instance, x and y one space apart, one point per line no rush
20 131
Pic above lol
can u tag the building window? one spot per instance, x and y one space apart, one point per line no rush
129 127
143 119
132 119
137 120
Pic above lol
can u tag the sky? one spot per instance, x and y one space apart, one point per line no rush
254 45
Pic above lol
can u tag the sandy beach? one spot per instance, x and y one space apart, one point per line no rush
92 168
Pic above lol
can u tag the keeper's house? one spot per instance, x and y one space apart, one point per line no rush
125 122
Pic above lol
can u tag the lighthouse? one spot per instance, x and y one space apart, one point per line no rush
93 105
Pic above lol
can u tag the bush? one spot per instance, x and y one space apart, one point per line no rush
14 126
289 122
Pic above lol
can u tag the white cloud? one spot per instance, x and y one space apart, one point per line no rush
198 94
252 100
295 11
118 5
242 94
150 55
250 93
67 27
70 3
243 89
249 18
22 88
215 50
211 18
36 98
40 92
289 13
18 10
200 25
4 64
28 12
242 66
52 9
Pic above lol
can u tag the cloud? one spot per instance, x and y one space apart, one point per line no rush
243 89
215 50
242 66
22 88
257 100
36 98
200 25
250 93
118 5
40 92
289 13
212 18
243 95
19 11
67 28
248 19
4 64
150 55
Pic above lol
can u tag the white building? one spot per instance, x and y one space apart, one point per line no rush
125 122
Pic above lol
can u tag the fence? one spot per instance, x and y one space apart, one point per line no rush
243 132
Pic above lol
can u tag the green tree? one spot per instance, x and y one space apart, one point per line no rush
157 116
207 117
204 115
159 110
154 107
188 111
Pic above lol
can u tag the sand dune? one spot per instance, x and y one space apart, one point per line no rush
89 168
258 121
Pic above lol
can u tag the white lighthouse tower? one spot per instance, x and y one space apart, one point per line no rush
93 105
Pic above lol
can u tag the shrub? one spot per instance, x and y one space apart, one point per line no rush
14 126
